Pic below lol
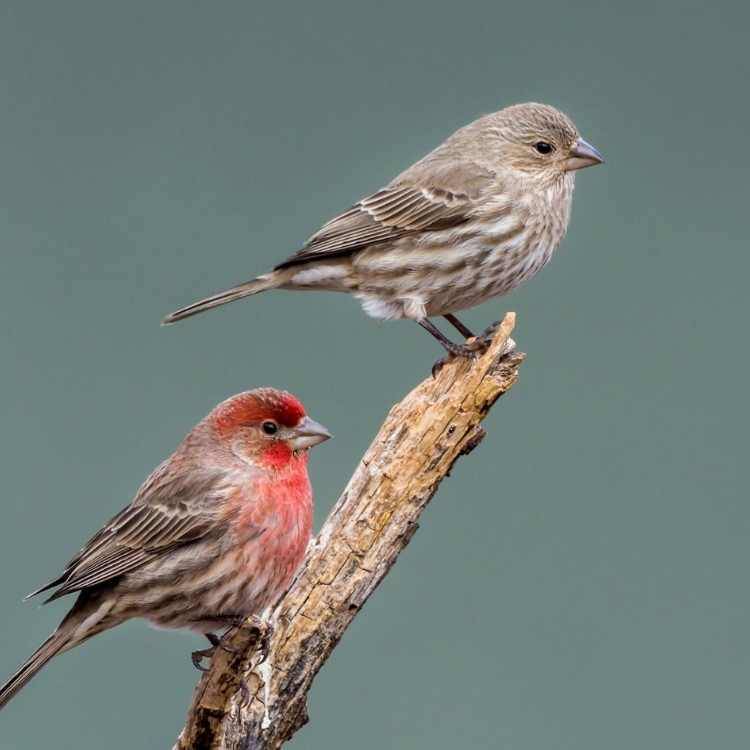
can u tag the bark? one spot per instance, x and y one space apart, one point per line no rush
251 703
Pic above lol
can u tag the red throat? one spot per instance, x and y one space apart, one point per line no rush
284 488
279 455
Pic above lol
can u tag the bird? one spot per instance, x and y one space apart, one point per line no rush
473 219
214 535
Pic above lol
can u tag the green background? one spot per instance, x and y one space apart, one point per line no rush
580 582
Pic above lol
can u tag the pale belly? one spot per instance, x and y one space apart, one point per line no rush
431 281
508 240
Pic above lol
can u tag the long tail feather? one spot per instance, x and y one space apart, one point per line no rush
254 286
51 647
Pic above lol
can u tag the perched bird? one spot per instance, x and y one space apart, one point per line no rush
471 220
214 535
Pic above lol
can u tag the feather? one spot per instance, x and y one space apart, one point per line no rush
407 205
138 534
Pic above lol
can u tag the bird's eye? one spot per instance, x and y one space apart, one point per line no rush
269 427
544 148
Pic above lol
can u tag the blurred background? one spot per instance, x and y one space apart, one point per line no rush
580 581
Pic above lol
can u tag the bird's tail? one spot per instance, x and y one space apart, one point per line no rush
271 280
56 643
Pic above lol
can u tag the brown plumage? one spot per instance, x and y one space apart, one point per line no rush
213 535
471 220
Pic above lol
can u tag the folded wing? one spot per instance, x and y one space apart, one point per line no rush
146 529
406 206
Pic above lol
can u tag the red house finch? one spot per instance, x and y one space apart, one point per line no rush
471 220
213 535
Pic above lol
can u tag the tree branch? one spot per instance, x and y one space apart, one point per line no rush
252 703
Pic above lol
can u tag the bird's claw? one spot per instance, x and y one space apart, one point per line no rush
226 648
263 636
464 352
198 656
489 333
481 343
472 348
217 642
439 364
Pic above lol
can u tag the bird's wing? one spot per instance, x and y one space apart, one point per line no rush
136 535
427 197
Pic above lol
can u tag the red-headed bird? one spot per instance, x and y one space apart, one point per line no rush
473 219
215 533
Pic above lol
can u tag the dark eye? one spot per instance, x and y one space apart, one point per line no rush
269 427
544 148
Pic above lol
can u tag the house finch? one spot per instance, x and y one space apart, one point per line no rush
213 535
471 220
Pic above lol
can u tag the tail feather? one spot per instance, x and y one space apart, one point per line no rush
254 286
56 643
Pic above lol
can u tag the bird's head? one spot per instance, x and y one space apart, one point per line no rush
536 141
265 427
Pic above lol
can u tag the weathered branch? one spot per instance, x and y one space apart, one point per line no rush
254 704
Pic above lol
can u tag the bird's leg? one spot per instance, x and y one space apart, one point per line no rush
205 653
235 621
457 350
264 630
489 333
459 326
208 653
220 642
259 627
481 342
485 339
454 350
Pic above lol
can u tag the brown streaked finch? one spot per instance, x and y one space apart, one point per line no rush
473 219
214 535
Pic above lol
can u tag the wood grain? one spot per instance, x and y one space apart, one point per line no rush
251 703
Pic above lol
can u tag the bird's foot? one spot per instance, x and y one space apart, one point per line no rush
481 343
233 623
464 351
489 333
486 336
259 629
263 631
198 656
473 347
220 642
439 364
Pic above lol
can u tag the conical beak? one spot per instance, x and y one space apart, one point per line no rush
583 154
307 434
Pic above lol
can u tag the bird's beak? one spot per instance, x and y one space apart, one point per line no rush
582 155
307 434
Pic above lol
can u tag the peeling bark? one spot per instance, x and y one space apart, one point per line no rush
246 702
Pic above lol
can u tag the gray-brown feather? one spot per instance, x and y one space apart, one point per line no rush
471 220
407 206
154 523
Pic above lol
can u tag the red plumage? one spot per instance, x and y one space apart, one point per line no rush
257 405
213 535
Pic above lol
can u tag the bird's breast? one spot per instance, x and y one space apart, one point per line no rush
277 523
506 241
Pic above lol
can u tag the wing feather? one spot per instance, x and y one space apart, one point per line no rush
437 197
152 525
